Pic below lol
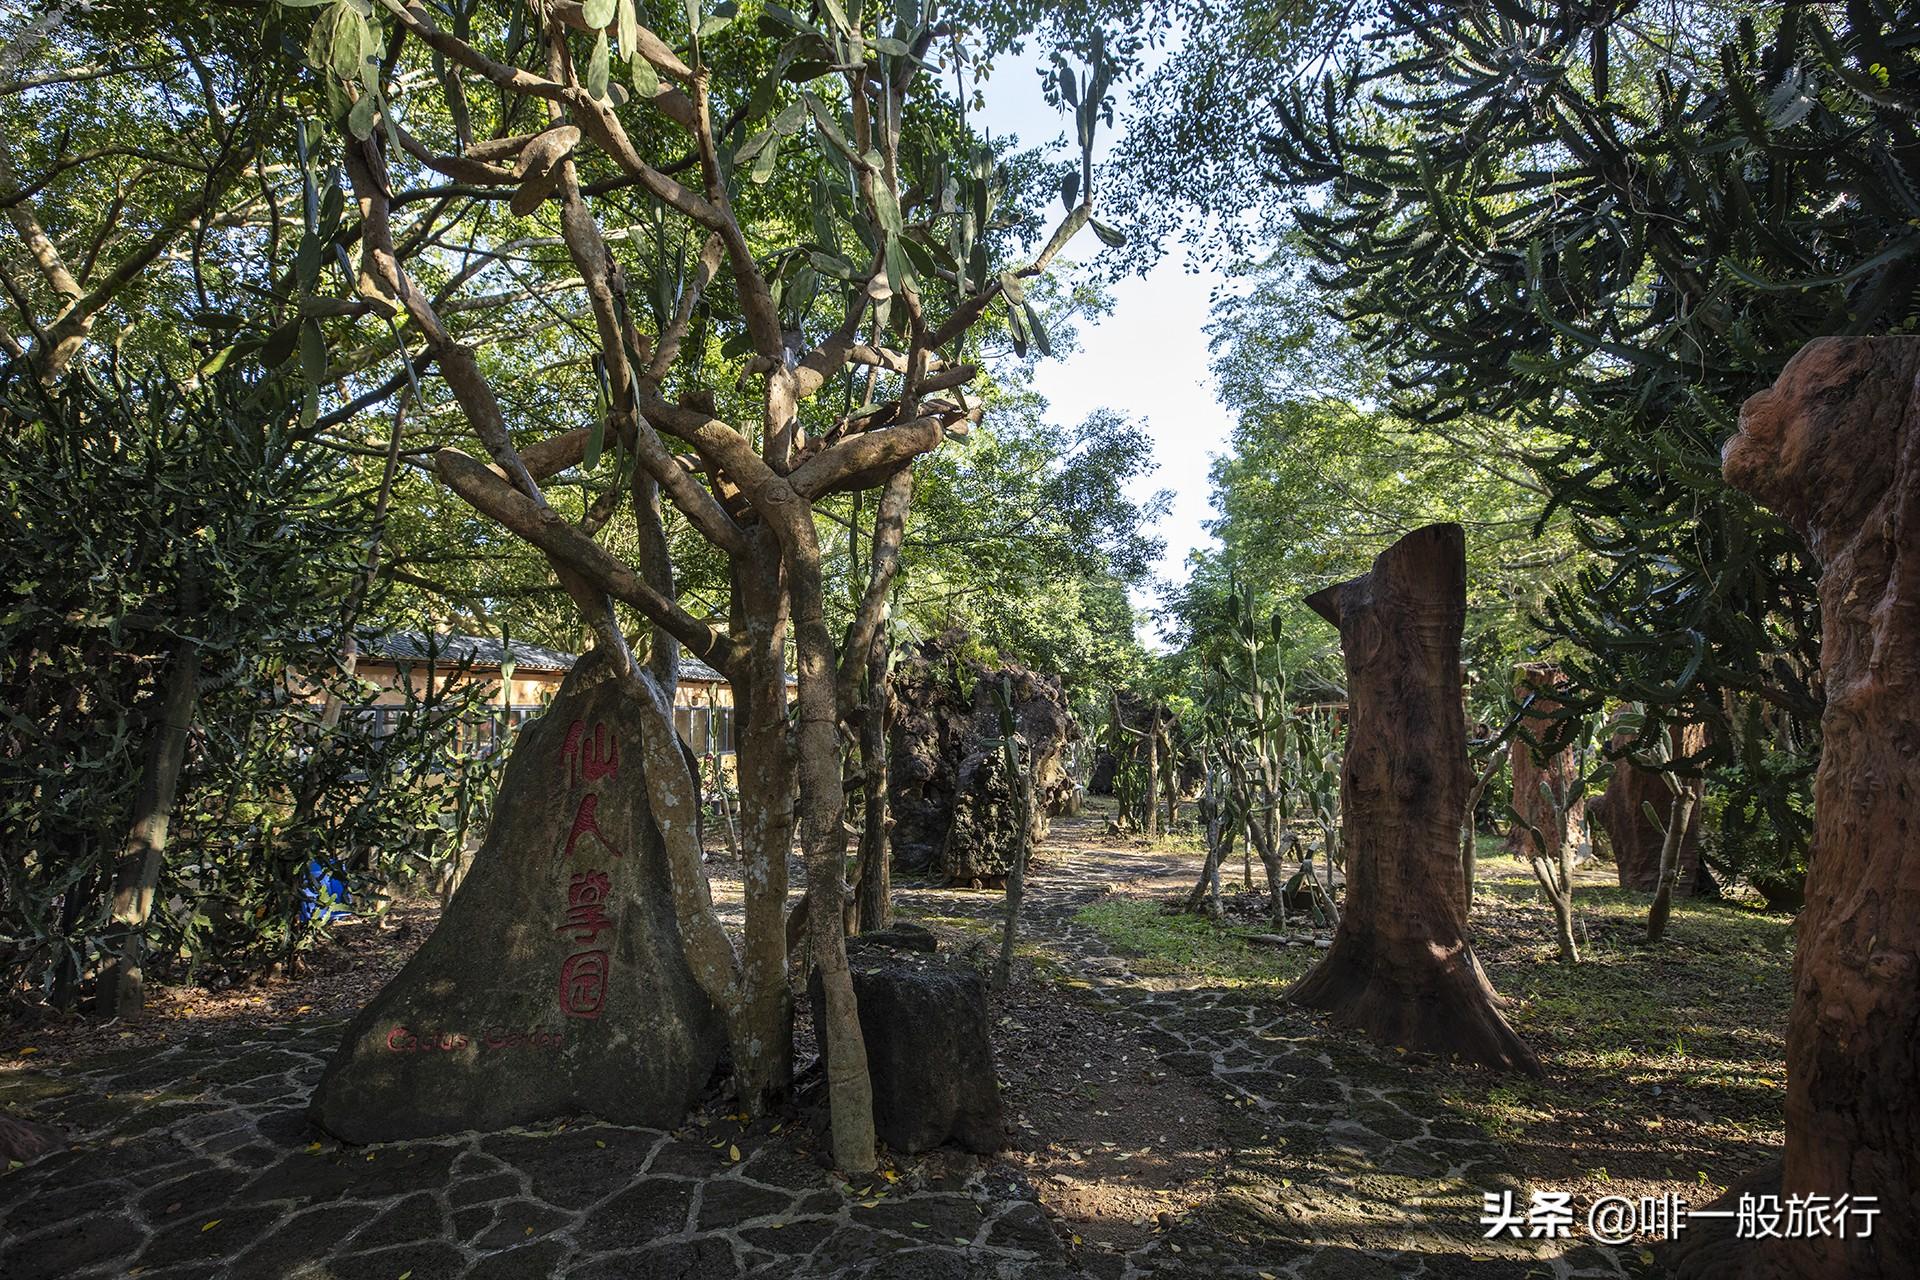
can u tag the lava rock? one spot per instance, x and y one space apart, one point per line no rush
947 790
929 1052
896 937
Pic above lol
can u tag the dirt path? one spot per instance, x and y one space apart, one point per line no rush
1160 1128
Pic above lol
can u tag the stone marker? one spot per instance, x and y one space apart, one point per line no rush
929 1051
555 982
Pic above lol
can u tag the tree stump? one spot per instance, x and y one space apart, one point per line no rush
1621 811
1834 447
1561 771
556 981
1400 968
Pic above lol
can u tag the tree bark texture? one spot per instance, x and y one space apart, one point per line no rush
765 761
1635 839
122 990
1400 968
1679 820
823 840
1834 447
1539 680
873 888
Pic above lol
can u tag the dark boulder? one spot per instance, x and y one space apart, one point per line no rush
926 728
1105 767
555 982
929 1052
899 936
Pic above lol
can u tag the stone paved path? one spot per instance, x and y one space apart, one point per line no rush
214 1173
1345 1167
197 1162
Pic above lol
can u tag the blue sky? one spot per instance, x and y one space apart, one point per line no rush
1147 359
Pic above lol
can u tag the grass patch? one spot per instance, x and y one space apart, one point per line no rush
1674 1051
1192 947
1665 1065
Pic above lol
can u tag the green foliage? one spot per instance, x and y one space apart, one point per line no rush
1742 840
1614 236
143 514
382 804
1610 233
1026 536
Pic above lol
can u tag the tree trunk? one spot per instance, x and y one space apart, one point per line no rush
1834 447
1678 820
1150 802
765 761
1170 781
823 840
1400 968
1468 830
1634 838
1017 873
1559 771
122 984
873 889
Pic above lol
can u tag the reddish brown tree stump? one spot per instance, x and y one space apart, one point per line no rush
1400 969
1834 447
1634 840
1540 680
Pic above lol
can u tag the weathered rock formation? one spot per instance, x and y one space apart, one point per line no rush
1834 447
1540 680
929 1051
948 789
1621 811
1400 969
555 982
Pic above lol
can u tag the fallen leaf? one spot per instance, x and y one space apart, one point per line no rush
733 1153
211 1225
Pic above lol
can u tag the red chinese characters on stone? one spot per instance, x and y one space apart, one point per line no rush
587 823
583 984
589 757
586 906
